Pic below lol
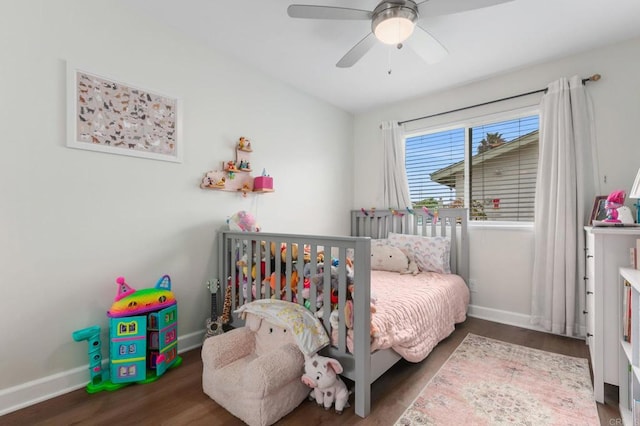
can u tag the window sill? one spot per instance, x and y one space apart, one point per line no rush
506 226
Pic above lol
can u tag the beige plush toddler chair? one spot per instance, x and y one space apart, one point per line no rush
254 371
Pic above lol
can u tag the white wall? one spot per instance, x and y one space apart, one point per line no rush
71 220
501 259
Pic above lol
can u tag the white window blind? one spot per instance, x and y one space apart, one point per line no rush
504 158
428 153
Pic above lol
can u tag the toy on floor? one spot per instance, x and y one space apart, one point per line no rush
143 340
321 374
92 336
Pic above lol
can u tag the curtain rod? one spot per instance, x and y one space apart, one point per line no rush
594 77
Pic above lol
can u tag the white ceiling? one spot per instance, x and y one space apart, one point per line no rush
481 43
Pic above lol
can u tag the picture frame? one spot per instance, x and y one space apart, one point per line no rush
106 114
598 211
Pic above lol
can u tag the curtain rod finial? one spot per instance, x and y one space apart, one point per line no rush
595 77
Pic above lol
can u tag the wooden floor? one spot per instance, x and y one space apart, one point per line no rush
177 398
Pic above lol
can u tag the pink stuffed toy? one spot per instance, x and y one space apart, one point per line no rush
321 374
615 200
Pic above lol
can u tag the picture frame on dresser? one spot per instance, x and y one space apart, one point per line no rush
598 211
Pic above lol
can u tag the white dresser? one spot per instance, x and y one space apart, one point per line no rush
607 250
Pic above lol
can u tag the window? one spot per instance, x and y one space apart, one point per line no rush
500 170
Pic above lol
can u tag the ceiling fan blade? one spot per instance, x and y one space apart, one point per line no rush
357 51
427 46
430 8
326 12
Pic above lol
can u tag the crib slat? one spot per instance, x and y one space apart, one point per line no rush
362 324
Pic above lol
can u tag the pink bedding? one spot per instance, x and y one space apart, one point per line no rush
414 313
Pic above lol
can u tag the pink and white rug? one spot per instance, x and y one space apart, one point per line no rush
489 382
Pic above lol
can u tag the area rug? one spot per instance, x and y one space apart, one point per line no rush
489 382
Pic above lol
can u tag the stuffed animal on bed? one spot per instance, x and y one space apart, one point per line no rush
321 374
393 259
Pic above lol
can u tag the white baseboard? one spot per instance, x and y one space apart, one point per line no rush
508 318
35 391
503 317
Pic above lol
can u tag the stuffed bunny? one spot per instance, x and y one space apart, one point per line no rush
321 374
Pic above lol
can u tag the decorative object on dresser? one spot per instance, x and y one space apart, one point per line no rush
635 193
598 211
612 211
607 249
615 200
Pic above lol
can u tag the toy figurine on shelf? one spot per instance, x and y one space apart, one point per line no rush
206 182
615 200
220 183
231 166
244 144
245 188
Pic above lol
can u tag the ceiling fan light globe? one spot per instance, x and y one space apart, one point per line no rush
393 23
394 30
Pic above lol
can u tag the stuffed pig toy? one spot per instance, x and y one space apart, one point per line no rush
321 374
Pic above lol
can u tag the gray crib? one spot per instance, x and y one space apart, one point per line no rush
238 251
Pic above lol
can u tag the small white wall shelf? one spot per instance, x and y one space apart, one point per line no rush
234 175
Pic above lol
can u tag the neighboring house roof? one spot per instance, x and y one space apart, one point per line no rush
443 176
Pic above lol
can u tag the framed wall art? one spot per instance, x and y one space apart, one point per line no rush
108 115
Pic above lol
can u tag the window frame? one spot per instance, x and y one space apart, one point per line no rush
473 121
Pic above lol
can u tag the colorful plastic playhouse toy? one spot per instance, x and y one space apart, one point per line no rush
143 337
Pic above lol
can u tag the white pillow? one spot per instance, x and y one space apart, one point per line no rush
432 254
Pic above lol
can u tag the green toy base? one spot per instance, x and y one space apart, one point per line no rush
108 385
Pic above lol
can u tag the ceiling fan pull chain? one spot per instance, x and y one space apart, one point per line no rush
389 59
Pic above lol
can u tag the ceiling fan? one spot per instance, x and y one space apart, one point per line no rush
393 22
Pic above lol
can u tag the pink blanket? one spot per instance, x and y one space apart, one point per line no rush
414 313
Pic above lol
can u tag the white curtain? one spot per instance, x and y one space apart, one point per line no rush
565 188
395 187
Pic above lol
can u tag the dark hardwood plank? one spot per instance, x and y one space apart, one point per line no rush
177 398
